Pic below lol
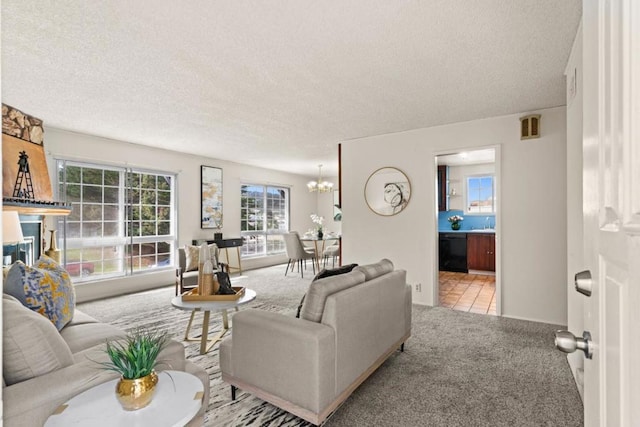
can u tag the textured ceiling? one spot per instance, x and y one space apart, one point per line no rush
280 83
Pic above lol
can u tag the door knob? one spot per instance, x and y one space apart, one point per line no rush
567 342
583 282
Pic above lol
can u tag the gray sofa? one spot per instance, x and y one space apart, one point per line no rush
350 324
43 368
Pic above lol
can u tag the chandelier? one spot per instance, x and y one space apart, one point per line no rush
320 185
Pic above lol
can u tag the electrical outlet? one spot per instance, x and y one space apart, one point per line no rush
418 287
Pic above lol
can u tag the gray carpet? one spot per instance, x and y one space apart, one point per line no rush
458 369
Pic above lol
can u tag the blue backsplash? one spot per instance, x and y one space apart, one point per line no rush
470 222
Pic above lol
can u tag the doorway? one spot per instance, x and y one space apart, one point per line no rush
467 250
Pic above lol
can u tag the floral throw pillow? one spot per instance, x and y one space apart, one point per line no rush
45 288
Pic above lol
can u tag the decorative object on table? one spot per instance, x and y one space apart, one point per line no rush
225 284
193 295
318 220
135 359
207 278
387 191
204 255
53 252
211 197
321 185
455 221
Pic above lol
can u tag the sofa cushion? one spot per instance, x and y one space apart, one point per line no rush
371 271
80 318
45 288
86 335
31 345
319 290
327 273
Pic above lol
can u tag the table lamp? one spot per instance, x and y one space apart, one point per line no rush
11 231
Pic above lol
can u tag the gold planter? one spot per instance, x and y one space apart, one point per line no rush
136 394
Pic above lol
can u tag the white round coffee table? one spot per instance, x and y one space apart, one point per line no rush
177 400
208 306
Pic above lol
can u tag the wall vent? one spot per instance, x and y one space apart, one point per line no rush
530 126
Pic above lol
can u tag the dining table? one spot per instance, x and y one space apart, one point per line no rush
320 244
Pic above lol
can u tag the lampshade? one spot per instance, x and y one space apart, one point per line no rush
320 185
11 230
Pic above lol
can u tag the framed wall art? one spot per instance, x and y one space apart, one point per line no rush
211 197
387 191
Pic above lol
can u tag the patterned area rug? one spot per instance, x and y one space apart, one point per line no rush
458 369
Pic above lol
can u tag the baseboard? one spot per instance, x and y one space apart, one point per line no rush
528 319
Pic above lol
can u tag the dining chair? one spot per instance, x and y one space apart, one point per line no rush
187 276
297 252
332 252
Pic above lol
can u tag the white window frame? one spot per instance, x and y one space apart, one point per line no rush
122 241
265 233
467 200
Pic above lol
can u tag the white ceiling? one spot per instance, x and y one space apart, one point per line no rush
279 84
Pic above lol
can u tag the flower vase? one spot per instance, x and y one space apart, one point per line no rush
455 226
320 234
53 252
136 393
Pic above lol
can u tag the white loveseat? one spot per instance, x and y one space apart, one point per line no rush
350 324
43 368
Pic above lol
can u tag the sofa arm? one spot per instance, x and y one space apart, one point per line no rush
293 359
31 402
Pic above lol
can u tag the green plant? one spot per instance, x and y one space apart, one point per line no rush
136 355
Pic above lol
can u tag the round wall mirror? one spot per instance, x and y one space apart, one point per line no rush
387 191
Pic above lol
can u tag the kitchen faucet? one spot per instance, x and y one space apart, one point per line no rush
487 223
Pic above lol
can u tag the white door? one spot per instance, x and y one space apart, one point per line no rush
611 209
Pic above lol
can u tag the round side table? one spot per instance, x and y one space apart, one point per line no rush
177 400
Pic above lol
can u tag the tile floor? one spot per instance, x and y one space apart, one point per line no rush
474 293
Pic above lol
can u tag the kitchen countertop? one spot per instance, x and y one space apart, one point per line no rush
476 231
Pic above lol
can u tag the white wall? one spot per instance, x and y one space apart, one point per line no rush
575 259
458 180
533 192
63 144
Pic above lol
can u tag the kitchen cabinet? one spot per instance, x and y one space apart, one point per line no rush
442 189
481 251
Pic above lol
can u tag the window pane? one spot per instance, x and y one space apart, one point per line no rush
91 194
164 228
111 194
164 183
73 193
111 229
91 212
111 178
111 213
164 198
148 197
73 174
91 176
